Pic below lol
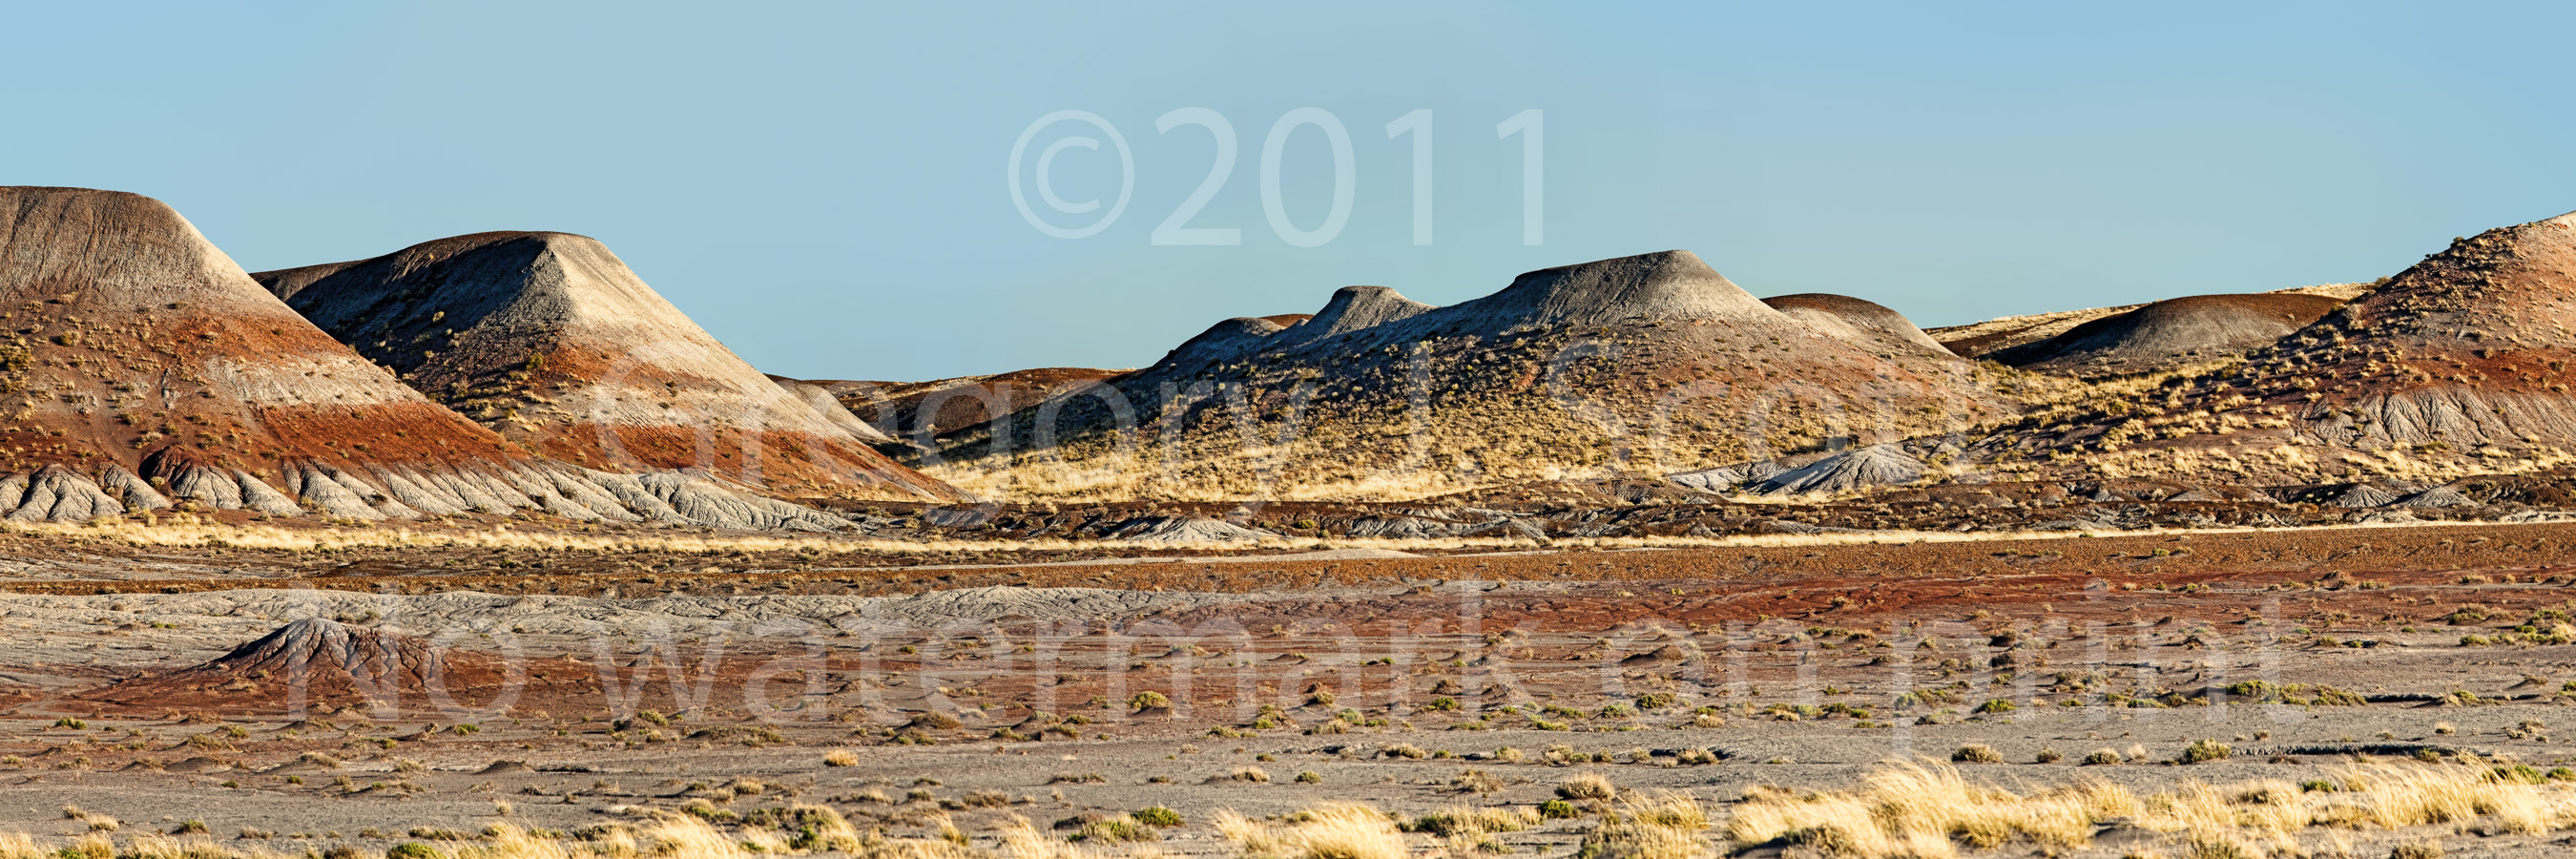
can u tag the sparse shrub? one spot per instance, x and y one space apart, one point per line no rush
1558 809
1977 753
1158 816
1590 787
413 850
2050 756
1116 830
1250 774
1149 700
1477 782
841 758
2204 750
1309 777
2102 758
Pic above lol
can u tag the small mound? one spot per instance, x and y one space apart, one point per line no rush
1858 468
2173 332
1185 529
1719 479
1862 323
917 411
319 662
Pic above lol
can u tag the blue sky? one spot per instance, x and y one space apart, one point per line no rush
824 186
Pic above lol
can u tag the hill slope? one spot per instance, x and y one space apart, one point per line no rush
1644 363
1866 324
2457 365
146 371
2170 333
551 341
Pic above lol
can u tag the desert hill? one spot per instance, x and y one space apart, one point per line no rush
2170 333
819 398
1649 361
548 339
2455 366
915 412
146 370
2468 348
1866 324
324 664
1980 339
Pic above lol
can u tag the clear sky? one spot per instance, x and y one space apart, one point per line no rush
826 186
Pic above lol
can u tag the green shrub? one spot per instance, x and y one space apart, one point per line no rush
2205 750
1977 753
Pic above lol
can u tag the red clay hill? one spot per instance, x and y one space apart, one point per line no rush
551 341
2470 347
143 369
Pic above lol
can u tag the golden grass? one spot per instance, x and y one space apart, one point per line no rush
1927 810
1339 830
1664 826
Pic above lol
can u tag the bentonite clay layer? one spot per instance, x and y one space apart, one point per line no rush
549 339
149 371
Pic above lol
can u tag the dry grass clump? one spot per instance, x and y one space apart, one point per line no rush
1928 810
1468 831
1665 826
841 758
1587 787
1338 830
1977 753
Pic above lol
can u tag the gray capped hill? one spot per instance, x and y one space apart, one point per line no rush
2172 332
169 378
1866 324
1564 371
550 340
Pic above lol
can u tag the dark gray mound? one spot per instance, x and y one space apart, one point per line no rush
1858 468
2173 332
